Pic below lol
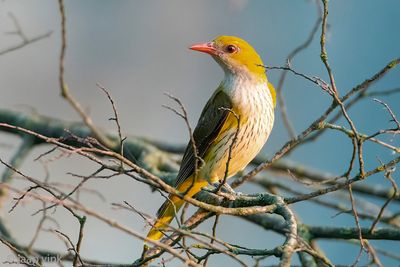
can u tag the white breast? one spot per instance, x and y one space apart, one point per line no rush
253 98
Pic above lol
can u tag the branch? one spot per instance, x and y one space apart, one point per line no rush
65 93
325 232
298 49
25 40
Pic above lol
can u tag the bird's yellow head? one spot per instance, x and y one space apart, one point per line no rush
233 54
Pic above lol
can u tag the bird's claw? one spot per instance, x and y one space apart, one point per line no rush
225 191
229 196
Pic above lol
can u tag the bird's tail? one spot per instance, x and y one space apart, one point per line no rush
171 206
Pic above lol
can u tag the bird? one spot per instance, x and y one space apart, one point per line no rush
241 109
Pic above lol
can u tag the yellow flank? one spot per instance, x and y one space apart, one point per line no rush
273 92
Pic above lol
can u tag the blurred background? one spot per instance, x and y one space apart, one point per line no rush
138 50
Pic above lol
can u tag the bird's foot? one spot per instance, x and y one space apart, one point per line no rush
224 190
229 196
229 189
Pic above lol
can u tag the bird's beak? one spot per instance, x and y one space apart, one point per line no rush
205 48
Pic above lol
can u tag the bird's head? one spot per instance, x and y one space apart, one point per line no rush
234 55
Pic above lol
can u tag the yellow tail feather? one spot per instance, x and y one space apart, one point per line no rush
171 206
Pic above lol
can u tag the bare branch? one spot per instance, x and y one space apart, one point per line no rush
25 40
65 93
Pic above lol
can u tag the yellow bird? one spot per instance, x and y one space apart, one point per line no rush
243 96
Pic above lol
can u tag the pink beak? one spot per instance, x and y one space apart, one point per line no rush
205 48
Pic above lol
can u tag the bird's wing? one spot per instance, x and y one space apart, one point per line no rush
208 127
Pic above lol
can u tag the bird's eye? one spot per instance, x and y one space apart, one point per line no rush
231 49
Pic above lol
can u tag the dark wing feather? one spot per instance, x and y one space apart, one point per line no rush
208 127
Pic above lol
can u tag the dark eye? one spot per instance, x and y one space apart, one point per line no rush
231 49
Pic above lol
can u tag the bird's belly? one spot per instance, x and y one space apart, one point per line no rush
250 139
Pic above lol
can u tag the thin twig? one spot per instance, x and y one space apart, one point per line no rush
198 161
65 93
115 118
388 176
288 124
25 40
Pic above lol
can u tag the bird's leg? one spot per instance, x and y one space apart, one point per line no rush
211 187
226 190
